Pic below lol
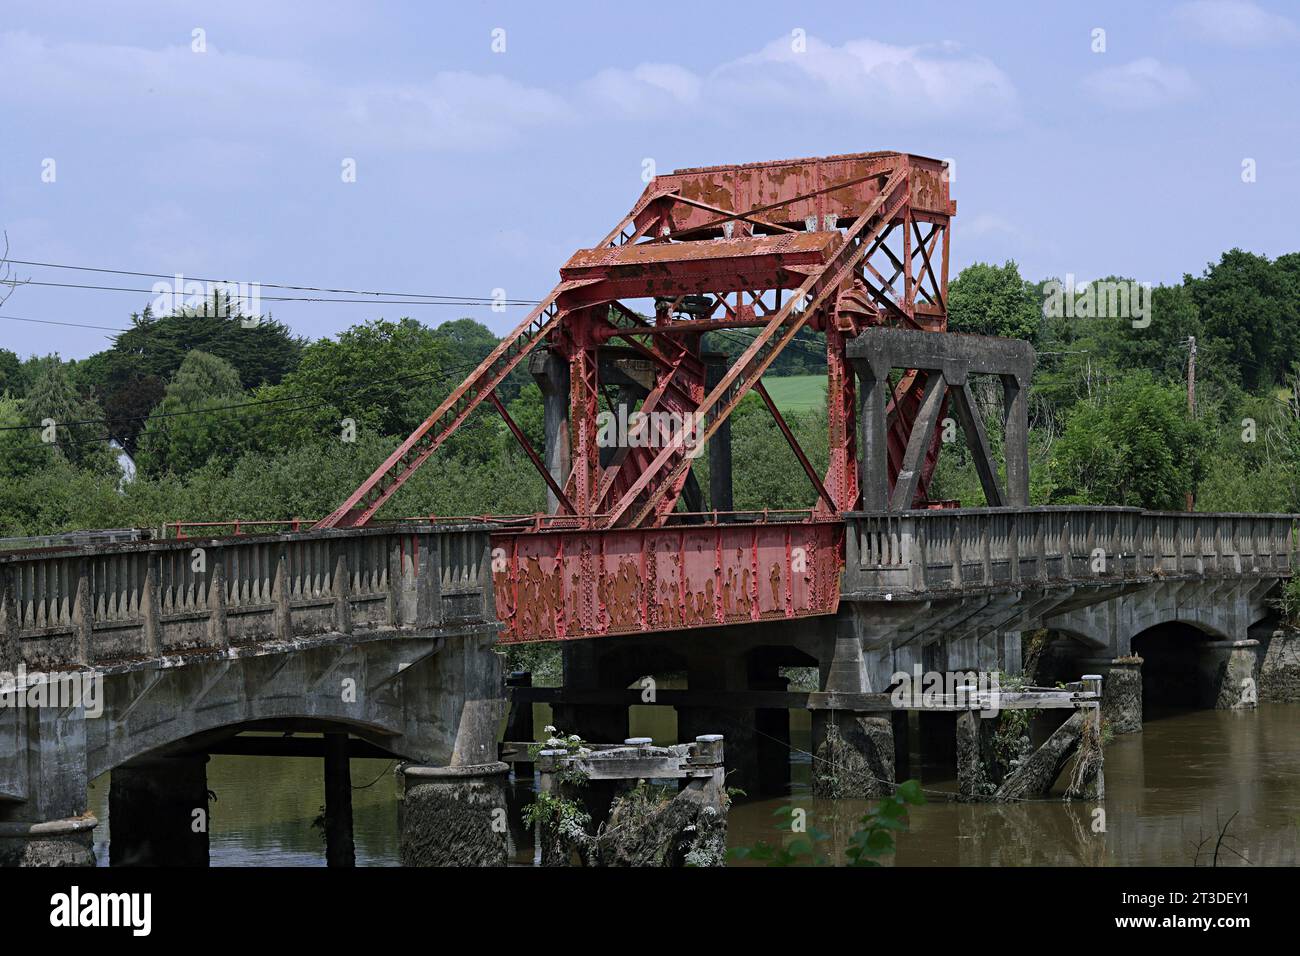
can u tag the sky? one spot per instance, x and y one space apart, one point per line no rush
458 149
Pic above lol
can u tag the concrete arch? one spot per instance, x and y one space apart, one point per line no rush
408 697
1224 610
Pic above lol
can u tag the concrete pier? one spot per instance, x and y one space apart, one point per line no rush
339 847
455 816
159 813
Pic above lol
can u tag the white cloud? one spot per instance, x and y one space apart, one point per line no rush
1239 23
173 93
646 90
862 79
1143 84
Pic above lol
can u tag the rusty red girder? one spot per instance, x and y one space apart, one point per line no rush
576 584
834 244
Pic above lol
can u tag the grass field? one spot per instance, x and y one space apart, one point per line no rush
797 393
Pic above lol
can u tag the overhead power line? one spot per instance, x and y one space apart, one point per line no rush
469 299
75 325
273 298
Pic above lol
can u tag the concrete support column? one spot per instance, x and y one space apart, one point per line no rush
873 460
1015 440
1121 691
44 819
551 372
937 730
454 816
720 486
1279 667
723 672
158 812
853 754
339 847
594 723
1227 672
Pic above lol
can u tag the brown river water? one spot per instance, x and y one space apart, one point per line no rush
1169 789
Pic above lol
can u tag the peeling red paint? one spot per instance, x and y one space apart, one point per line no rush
564 585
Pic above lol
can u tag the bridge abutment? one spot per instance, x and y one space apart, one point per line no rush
44 820
158 812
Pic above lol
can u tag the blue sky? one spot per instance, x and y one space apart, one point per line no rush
478 170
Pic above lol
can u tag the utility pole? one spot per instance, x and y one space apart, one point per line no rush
1191 399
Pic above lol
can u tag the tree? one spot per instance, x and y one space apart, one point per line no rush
78 425
994 300
180 436
1250 312
129 377
1132 445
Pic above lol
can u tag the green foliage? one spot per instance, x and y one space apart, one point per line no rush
875 838
806 354
11 370
557 809
130 376
767 473
994 300
180 435
1133 445
804 849
79 430
1250 312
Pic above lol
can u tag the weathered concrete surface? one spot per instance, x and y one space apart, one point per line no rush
386 634
1228 674
1121 691
1225 608
455 816
952 590
48 843
855 756
1279 669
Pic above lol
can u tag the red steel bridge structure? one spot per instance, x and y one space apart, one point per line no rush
837 245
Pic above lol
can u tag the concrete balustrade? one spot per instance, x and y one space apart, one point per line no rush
93 605
964 549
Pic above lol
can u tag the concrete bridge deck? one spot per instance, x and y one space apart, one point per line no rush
175 646
389 635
